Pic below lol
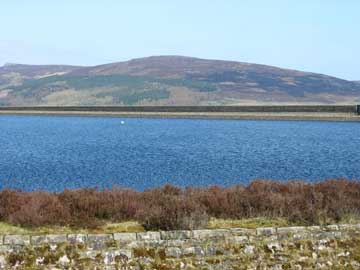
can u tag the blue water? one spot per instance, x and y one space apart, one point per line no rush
53 153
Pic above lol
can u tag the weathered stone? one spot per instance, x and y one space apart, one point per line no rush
125 237
249 250
2 262
238 239
299 236
290 230
176 243
135 244
266 231
349 226
17 240
7 249
196 251
64 260
99 237
77 238
243 231
110 257
48 238
154 243
325 235
314 228
175 235
148 236
174 252
274 247
331 228
208 234
211 251
285 248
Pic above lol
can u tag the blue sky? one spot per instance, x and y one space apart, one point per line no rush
313 35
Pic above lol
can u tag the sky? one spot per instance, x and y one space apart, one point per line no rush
312 35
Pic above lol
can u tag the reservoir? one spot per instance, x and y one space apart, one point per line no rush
54 153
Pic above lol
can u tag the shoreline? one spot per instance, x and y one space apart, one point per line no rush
295 116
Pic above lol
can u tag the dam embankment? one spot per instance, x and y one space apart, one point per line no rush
316 247
273 112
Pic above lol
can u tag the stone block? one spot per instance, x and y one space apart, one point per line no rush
243 231
154 243
238 239
17 240
174 252
125 237
290 230
176 243
300 236
266 231
148 236
314 228
110 257
209 234
99 237
48 239
327 235
77 238
331 228
174 235
195 251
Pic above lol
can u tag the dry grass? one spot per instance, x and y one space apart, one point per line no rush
249 223
261 203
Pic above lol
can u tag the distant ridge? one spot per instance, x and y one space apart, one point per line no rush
169 80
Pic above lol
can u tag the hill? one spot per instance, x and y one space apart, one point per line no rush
169 80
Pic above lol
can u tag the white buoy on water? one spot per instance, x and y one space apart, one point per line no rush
122 122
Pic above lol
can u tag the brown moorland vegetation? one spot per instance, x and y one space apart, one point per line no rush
170 207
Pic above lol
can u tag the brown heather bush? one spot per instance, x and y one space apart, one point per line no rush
170 207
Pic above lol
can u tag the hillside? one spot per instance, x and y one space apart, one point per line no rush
169 80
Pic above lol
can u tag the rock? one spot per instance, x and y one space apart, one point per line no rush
238 239
212 234
290 230
17 240
2 262
173 252
125 237
314 255
148 236
77 238
64 260
176 235
112 256
39 261
274 247
99 237
265 231
249 250
49 238
343 254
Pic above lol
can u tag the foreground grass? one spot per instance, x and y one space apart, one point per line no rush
133 226
129 226
249 223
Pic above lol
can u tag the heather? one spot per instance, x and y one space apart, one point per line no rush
170 207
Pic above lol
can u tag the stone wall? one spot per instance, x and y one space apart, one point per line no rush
327 247
202 109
